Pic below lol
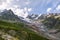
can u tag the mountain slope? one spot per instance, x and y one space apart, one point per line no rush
52 21
17 31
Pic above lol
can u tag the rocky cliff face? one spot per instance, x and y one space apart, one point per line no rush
8 15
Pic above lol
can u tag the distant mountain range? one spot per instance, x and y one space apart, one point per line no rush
9 15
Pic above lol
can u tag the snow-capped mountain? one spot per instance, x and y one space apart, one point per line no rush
9 15
38 16
32 16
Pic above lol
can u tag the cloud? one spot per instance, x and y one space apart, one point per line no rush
27 2
27 9
39 5
58 7
17 0
3 5
55 6
21 12
9 1
15 8
30 9
49 9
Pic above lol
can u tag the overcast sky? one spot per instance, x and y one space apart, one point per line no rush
23 7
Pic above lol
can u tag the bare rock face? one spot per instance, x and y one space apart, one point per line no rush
12 32
9 15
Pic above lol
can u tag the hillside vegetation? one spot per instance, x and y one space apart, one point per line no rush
17 31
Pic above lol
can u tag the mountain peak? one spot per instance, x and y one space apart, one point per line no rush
9 15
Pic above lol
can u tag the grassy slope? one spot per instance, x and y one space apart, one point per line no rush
23 33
